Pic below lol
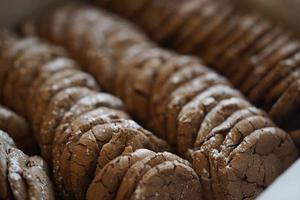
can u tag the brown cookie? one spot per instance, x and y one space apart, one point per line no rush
262 71
129 65
174 21
159 102
182 95
139 90
195 20
107 181
54 113
136 171
168 180
211 21
67 137
83 163
240 73
281 87
156 11
256 160
128 134
279 72
193 113
166 71
55 84
242 47
241 27
217 115
287 104
9 54
24 70
46 71
263 58
242 129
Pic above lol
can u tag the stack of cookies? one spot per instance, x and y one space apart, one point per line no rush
21 176
236 150
86 136
258 57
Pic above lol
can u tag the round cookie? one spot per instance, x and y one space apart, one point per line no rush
167 181
23 72
263 58
195 20
287 104
262 44
54 113
55 84
128 134
107 181
192 114
139 90
246 23
156 11
211 21
67 136
240 49
263 70
182 95
140 168
159 102
217 115
57 65
260 148
279 72
174 21
276 92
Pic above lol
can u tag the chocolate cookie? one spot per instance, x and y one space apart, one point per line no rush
211 21
24 70
66 138
174 21
57 83
48 70
192 114
217 115
165 181
54 113
159 103
107 181
182 95
278 47
281 87
128 134
279 72
135 173
287 104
